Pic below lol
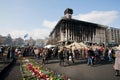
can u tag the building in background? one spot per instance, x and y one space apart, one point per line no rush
113 35
2 40
70 30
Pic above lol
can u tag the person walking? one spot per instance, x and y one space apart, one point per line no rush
61 57
37 52
71 54
91 56
110 52
117 62
43 54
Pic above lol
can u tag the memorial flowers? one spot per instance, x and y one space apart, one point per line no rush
32 71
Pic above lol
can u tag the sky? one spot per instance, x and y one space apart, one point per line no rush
37 18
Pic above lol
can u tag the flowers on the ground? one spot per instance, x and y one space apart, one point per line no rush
32 71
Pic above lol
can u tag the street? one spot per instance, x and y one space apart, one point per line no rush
77 71
81 71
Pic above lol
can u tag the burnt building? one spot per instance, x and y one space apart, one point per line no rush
70 30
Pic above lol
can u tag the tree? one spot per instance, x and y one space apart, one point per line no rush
18 42
8 40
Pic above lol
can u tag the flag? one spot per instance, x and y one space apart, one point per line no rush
25 36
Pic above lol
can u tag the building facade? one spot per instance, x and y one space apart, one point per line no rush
2 40
113 35
70 30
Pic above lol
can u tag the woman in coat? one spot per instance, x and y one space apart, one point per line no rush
117 62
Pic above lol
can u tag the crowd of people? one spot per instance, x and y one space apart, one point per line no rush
91 55
66 55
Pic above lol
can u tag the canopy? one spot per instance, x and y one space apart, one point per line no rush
50 46
77 45
82 45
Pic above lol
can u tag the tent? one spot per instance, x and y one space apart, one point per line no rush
82 45
50 46
75 45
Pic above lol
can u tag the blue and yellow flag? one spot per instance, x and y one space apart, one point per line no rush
25 36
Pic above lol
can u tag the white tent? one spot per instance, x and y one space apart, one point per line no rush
50 46
82 45
75 45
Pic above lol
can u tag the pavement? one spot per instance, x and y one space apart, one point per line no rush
77 71
4 63
81 71
11 71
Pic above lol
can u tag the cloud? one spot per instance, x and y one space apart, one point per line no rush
18 33
39 33
100 17
49 24
35 33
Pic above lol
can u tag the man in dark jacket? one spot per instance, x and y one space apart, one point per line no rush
91 56
61 57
